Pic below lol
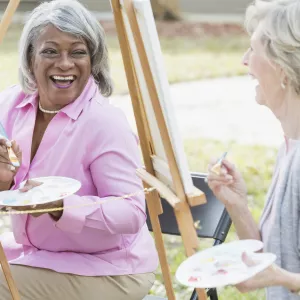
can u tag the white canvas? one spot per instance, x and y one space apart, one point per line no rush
152 45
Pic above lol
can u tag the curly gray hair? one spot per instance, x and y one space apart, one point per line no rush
280 33
71 17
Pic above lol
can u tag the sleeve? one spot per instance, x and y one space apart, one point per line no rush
113 171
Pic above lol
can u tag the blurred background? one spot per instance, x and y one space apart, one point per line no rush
203 42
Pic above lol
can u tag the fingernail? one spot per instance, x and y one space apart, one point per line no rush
8 144
12 168
228 177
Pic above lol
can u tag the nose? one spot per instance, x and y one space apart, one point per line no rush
245 59
65 62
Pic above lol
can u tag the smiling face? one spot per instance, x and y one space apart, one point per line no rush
269 76
61 65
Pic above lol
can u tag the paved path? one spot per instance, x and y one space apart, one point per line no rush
223 109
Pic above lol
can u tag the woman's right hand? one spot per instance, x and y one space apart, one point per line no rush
229 187
7 170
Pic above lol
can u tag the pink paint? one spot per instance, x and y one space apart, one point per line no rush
193 279
222 272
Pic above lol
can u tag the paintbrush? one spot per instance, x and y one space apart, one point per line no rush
11 154
217 167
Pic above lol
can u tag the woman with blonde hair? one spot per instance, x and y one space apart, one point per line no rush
273 60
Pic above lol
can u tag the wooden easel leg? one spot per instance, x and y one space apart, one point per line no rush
5 22
152 200
189 236
7 17
8 276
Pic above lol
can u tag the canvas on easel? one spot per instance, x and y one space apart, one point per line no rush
166 167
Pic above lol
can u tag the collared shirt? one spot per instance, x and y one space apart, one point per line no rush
88 140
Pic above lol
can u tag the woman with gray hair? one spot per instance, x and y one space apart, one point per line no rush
63 125
274 61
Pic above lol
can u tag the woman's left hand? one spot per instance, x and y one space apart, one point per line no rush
30 184
266 278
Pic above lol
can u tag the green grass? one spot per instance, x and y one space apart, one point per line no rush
249 159
185 59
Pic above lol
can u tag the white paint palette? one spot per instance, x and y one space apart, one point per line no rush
53 188
222 265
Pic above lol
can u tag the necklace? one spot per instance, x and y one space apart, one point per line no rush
47 111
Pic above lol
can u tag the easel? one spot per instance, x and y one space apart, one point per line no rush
176 198
5 22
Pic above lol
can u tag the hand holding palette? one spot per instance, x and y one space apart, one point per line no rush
222 265
51 189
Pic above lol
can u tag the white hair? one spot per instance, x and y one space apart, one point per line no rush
71 17
279 22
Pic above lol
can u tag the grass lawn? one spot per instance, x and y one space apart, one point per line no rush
186 59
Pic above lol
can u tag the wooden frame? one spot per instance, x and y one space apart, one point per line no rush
5 22
126 20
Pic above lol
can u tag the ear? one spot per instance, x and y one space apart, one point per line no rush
283 77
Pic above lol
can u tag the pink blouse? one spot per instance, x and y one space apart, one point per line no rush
91 141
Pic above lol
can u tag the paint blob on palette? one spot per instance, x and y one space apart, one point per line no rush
222 265
9 201
52 189
194 279
207 260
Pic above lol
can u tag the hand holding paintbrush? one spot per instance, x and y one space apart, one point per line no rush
226 182
10 159
11 153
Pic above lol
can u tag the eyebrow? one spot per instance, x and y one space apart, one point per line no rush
57 44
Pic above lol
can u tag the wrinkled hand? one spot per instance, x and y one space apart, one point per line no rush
263 279
7 170
229 187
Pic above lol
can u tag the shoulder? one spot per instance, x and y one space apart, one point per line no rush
106 116
10 98
295 159
292 169
106 123
10 93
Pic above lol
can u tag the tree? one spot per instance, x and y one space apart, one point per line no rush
168 10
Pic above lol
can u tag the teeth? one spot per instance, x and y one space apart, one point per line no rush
67 78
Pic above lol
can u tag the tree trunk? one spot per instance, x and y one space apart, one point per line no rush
168 10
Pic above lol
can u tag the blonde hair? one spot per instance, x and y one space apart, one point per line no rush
279 22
